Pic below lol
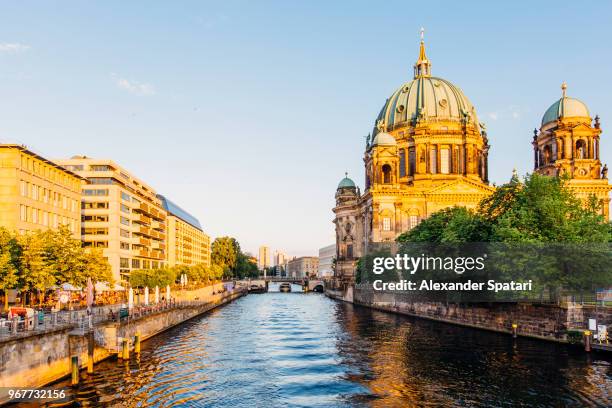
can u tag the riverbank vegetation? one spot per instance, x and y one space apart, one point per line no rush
37 261
533 229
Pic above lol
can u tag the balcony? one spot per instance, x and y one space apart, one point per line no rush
144 253
144 241
144 230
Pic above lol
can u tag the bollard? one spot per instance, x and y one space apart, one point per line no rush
587 341
126 349
90 353
514 330
75 370
137 342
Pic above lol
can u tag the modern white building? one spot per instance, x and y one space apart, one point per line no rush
326 259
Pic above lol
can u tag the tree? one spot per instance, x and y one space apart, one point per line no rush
96 267
224 252
35 273
8 263
450 225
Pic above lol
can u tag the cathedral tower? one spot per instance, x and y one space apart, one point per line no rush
568 144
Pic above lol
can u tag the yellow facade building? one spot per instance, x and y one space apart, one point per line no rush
121 214
430 152
187 242
36 193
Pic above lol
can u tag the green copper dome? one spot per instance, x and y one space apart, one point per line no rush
346 183
565 107
425 98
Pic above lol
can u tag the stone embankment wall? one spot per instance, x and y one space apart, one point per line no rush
44 357
543 321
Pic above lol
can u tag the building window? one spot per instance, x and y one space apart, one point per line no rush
414 221
135 263
100 180
125 196
411 161
349 251
124 233
444 161
402 161
124 245
581 149
125 221
103 192
95 205
23 213
386 224
433 160
386 170
95 218
24 189
100 167
125 208
124 263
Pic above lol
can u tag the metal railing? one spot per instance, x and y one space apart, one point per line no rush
80 319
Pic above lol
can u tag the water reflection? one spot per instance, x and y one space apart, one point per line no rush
277 350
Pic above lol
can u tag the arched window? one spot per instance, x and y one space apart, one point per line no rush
581 149
386 169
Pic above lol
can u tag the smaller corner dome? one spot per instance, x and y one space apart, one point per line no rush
346 183
565 107
384 139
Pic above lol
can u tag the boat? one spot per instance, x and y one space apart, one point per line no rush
285 287
257 289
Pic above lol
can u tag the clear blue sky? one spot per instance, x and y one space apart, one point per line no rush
248 113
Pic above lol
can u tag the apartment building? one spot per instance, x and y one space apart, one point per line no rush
187 242
36 193
120 214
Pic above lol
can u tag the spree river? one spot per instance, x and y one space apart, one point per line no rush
305 350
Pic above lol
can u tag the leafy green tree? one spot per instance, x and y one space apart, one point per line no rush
450 225
224 252
35 272
8 263
96 267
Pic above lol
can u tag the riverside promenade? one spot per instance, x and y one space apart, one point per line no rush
35 358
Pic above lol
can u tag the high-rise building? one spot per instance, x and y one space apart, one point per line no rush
264 258
187 242
279 258
36 193
120 214
303 267
326 260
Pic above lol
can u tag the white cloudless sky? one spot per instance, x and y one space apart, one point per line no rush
247 114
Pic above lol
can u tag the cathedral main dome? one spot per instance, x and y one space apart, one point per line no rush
425 98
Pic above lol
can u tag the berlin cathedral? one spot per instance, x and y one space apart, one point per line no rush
429 151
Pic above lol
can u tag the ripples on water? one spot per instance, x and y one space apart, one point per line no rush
277 350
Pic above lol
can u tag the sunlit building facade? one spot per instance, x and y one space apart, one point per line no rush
120 214
187 242
428 151
36 193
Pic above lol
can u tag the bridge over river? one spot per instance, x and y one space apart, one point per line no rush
273 284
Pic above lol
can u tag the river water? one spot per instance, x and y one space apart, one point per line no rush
279 350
